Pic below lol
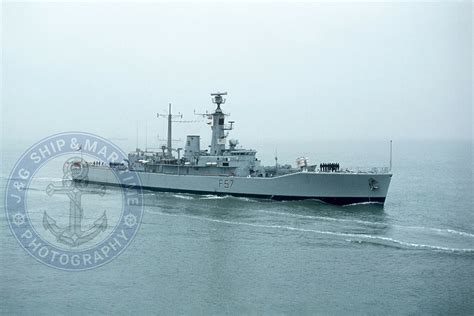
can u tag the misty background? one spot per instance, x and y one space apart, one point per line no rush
296 73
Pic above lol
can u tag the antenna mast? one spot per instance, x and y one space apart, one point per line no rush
170 120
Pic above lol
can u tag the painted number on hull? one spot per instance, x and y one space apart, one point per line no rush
226 184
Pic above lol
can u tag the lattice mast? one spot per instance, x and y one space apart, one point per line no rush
218 125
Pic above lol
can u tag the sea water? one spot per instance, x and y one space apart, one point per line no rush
226 255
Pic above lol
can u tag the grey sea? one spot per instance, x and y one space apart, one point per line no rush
225 255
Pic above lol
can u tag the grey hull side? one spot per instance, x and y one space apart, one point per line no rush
335 188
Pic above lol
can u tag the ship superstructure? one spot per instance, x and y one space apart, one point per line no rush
218 160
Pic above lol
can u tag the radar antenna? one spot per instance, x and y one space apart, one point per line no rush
218 99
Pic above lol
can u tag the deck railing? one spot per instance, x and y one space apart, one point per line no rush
372 170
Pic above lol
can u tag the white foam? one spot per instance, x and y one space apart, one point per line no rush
415 245
452 231
439 230
213 197
246 199
184 197
363 203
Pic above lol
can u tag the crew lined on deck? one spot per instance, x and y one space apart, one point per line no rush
331 167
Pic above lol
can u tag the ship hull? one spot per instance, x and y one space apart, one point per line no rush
331 187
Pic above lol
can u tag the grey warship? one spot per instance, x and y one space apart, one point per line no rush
227 169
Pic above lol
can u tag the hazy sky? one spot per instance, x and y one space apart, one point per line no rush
368 70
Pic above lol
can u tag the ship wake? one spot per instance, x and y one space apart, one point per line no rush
362 238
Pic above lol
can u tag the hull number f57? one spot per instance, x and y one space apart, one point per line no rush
226 184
